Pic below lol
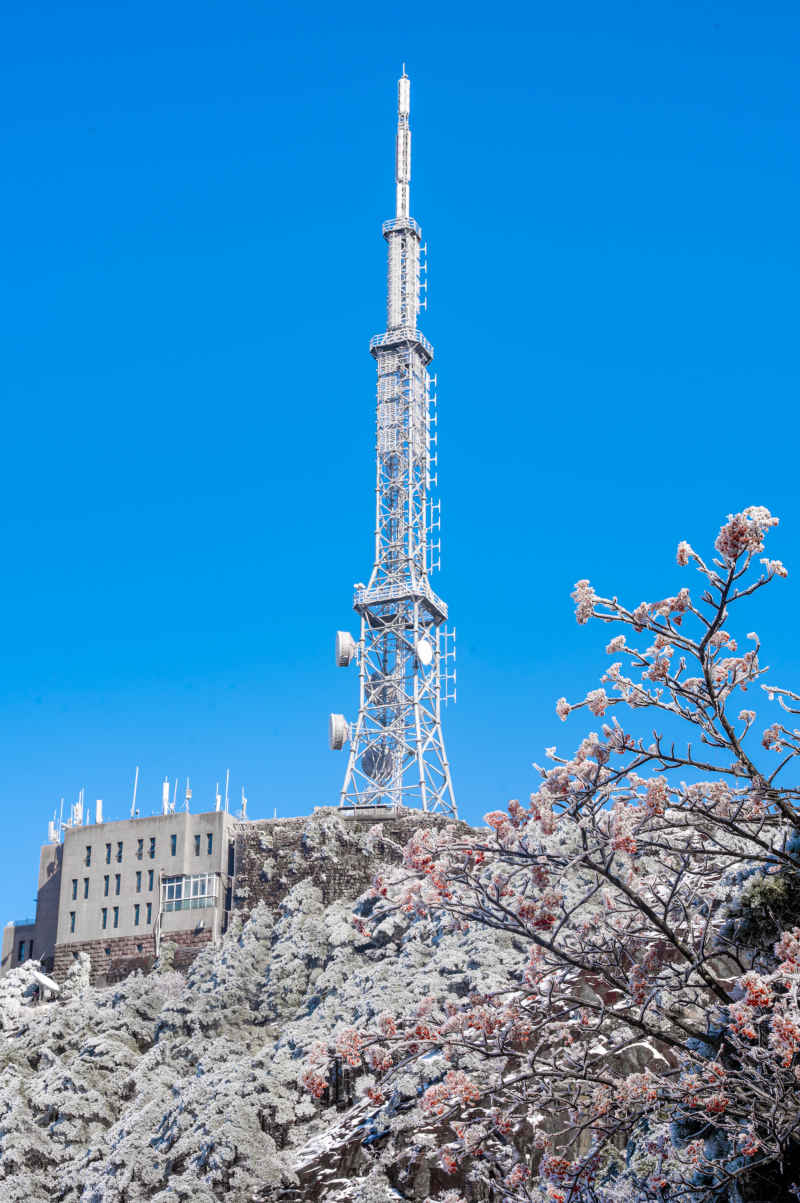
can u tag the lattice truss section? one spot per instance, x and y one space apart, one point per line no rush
397 753
402 552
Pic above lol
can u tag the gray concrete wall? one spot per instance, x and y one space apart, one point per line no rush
13 935
47 901
121 853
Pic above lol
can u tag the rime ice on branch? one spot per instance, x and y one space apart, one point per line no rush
655 884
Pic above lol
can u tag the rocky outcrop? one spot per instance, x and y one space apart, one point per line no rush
175 1086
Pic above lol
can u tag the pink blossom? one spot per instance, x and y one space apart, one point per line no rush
744 533
640 616
597 701
616 644
771 739
657 796
348 1044
788 950
684 551
584 597
562 709
774 567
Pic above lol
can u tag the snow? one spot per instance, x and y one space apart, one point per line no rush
174 1087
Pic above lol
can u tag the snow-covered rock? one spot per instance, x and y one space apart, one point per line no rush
184 1086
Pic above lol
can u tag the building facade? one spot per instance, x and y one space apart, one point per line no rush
115 890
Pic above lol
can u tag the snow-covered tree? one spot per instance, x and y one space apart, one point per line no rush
184 1086
650 1048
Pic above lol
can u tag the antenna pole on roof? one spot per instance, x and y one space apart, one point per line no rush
135 787
227 783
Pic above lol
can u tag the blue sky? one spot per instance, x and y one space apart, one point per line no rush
193 267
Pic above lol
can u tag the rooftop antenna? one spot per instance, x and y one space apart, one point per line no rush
174 797
135 787
61 818
276 813
188 793
243 813
218 797
227 783
165 796
99 811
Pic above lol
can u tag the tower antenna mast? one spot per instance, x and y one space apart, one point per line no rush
397 754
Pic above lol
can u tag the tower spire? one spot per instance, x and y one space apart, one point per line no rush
397 753
402 170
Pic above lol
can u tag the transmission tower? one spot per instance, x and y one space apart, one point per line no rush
404 653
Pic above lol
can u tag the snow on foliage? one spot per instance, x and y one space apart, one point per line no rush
177 1087
649 1046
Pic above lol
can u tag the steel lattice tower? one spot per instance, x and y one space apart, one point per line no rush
397 755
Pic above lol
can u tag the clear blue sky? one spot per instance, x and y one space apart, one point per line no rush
192 270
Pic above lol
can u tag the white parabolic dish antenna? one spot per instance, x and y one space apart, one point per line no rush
345 648
338 732
424 652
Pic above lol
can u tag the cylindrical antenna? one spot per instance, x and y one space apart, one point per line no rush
175 795
218 798
227 783
165 796
135 787
402 171
188 793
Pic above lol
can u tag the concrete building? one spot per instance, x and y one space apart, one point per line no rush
116 889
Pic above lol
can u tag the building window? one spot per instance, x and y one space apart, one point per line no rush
119 851
72 921
140 947
210 842
104 918
21 950
197 845
188 893
117 882
106 882
152 847
149 912
173 844
86 887
116 916
74 888
150 878
30 949
88 857
139 882
139 849
107 951
136 913
108 854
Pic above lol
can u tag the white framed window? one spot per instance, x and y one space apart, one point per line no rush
188 893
